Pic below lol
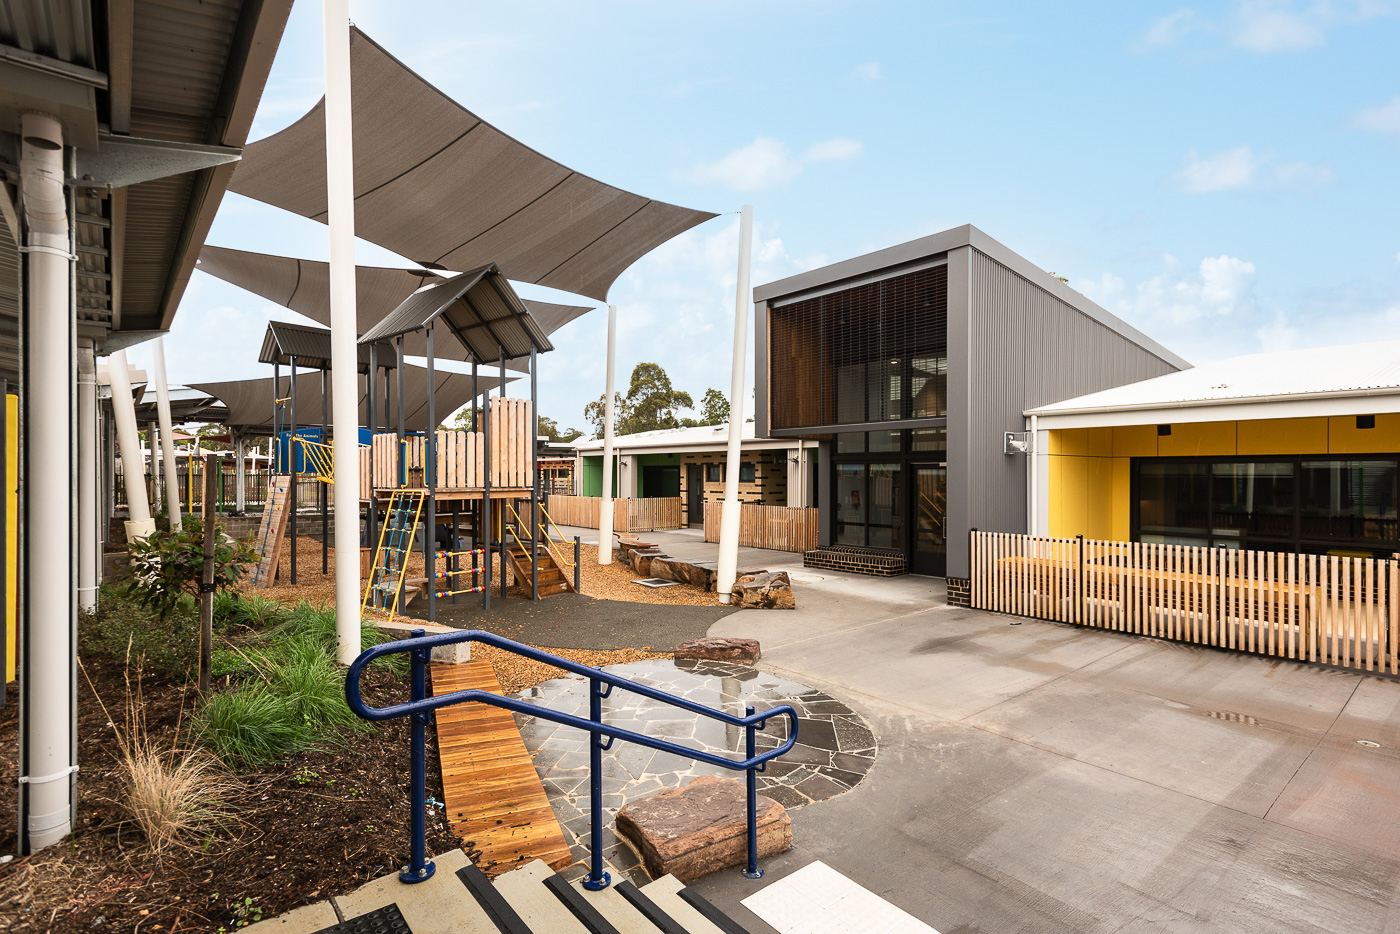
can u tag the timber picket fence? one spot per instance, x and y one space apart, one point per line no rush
780 528
653 514
1332 609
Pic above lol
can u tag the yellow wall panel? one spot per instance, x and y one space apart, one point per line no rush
1275 436
1122 499
1135 441
1199 439
1345 438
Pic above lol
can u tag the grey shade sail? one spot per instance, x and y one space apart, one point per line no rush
478 308
303 285
249 401
439 185
310 347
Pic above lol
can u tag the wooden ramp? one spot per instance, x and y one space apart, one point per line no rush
494 797
272 528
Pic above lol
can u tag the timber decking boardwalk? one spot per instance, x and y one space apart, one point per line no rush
493 796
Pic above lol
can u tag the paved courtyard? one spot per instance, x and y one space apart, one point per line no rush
1044 778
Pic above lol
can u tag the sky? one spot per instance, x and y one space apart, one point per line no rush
1220 175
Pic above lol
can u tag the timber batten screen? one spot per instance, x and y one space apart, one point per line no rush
872 353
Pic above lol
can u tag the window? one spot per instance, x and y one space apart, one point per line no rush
714 473
747 473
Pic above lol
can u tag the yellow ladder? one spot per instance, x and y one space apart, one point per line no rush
391 556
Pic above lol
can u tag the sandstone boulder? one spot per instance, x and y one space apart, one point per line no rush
764 591
670 569
641 560
720 649
701 828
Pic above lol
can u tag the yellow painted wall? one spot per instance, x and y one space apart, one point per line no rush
1089 470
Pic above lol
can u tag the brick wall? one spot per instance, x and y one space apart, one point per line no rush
769 487
959 591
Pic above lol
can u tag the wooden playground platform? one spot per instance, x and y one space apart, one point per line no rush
493 795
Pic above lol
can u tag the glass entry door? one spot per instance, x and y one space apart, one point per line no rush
929 508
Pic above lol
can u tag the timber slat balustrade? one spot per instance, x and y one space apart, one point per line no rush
779 528
1334 609
653 514
461 463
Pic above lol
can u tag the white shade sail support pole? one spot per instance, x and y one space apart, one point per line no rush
605 507
240 475
167 436
139 523
730 513
345 408
89 527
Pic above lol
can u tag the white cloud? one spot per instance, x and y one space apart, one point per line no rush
1220 286
766 163
870 71
1384 118
1272 26
1170 29
833 150
1241 167
1232 168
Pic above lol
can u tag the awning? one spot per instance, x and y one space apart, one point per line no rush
480 312
310 347
249 401
439 185
303 285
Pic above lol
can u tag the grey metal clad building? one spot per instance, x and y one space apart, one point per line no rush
909 365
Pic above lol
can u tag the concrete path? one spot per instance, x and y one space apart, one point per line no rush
1045 778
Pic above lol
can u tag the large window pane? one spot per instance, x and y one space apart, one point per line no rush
1253 499
850 442
850 504
928 439
1349 500
928 387
1172 498
885 440
885 527
883 389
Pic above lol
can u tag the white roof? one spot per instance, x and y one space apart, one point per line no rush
1348 371
702 435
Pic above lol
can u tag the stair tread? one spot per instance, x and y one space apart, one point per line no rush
537 906
440 905
665 893
619 912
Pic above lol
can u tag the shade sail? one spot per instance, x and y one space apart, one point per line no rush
303 285
439 185
249 401
478 310
310 347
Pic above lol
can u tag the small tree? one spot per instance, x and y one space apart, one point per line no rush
551 430
594 413
168 565
714 408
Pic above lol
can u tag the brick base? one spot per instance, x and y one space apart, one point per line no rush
959 591
872 561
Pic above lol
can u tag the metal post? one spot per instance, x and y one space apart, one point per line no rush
577 551
534 475
371 416
752 872
419 869
292 455
501 394
153 442
276 452
167 435
430 481
453 561
240 475
605 508
321 487
730 512
597 878
89 537
398 355
486 493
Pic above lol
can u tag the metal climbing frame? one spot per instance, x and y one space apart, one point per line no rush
391 556
453 572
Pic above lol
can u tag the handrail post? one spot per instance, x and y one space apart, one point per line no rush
419 869
597 878
751 774
577 588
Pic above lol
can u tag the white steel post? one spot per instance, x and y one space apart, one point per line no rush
345 414
605 508
152 442
729 514
89 532
48 705
139 523
240 474
167 437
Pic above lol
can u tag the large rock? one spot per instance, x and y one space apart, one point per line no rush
721 649
641 560
764 591
701 828
702 574
670 569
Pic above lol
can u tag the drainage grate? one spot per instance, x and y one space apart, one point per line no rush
654 582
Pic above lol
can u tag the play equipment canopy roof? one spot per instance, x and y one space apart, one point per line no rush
479 308
310 347
439 185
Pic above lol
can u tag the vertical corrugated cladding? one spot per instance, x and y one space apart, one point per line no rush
1026 348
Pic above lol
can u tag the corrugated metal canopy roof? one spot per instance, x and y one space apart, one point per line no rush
249 401
303 285
439 185
1345 370
310 347
480 310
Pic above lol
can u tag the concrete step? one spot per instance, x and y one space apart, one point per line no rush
665 894
536 905
622 914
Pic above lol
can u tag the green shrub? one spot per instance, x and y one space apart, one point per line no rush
258 611
251 725
168 565
313 687
226 608
315 624
124 627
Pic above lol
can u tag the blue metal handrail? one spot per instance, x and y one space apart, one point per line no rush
419 706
